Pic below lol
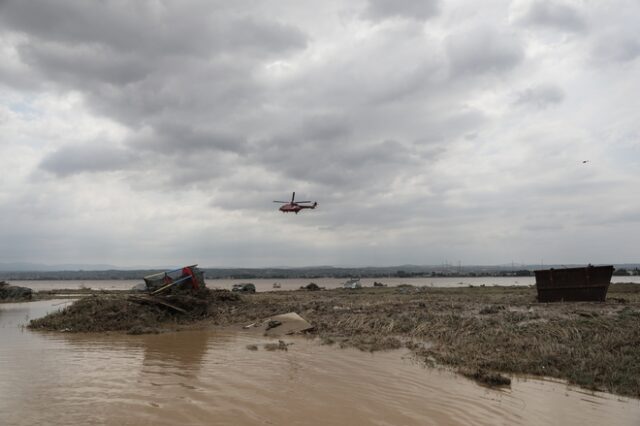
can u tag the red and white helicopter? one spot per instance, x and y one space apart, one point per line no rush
295 206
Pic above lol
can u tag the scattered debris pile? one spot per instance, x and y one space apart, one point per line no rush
174 297
138 314
311 287
12 293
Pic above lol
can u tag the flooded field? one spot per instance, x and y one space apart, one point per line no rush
210 377
296 283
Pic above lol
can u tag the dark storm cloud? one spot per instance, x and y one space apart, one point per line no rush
178 76
84 65
98 157
182 96
540 96
555 15
158 29
133 63
74 22
409 9
187 91
482 50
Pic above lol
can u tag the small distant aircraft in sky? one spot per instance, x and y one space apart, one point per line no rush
585 161
295 206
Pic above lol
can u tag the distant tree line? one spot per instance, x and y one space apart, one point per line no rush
284 273
622 272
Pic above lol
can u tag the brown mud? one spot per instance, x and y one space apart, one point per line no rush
482 332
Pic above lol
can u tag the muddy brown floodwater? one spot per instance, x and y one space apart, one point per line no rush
210 377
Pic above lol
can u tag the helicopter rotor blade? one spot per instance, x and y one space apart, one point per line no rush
292 197
283 202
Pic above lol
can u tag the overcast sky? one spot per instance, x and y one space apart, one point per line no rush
159 132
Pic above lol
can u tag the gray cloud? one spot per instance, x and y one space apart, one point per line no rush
153 60
555 15
177 138
482 50
404 132
540 96
410 9
84 65
96 157
180 91
171 28
336 163
617 46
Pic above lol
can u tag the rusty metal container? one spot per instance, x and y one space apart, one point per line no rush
573 284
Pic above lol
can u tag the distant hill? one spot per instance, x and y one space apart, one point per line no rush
30 267
23 266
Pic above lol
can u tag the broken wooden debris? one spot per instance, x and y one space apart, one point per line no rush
156 300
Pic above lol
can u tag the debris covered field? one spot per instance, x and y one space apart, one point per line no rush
483 332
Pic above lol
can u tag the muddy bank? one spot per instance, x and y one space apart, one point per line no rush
11 293
479 331
132 314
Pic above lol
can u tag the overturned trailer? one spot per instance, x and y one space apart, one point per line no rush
187 277
588 283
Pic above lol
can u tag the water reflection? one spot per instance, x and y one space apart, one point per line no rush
183 351
205 377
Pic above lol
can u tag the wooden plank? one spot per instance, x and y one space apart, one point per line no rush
157 301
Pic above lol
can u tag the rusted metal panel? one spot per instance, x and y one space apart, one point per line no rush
573 284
